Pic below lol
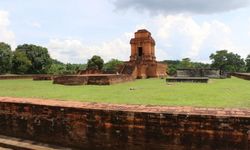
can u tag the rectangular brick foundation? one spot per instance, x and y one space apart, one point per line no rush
110 126
188 79
245 76
92 79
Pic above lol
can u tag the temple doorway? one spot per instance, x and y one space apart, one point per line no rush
140 51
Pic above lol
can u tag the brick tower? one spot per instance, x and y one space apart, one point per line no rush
142 47
142 63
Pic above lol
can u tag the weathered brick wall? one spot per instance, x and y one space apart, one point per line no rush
13 77
245 76
101 79
211 73
107 126
43 77
71 80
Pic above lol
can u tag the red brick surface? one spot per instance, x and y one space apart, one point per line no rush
230 112
113 126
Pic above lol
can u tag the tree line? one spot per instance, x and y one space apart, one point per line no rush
33 59
221 60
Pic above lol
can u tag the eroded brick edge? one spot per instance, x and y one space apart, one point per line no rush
187 110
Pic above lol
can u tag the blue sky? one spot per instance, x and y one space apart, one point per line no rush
73 31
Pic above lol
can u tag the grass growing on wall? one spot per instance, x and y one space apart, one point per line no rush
218 93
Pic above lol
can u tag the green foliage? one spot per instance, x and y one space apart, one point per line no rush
5 58
172 66
228 62
112 66
74 68
248 63
224 93
54 61
96 62
185 63
20 64
39 57
57 69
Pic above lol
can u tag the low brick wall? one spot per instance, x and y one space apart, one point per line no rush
43 77
34 77
71 80
188 79
101 79
108 79
14 77
245 76
107 126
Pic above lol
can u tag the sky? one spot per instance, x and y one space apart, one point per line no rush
74 31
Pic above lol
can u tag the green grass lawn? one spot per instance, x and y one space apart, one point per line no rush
218 93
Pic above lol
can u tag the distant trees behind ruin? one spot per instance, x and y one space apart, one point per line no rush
228 61
185 63
222 60
33 59
96 62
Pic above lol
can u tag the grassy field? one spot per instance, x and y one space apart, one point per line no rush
218 93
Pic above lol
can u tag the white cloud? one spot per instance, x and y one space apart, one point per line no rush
177 36
190 38
249 26
6 35
36 24
76 51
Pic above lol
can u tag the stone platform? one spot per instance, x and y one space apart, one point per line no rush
245 76
92 79
188 79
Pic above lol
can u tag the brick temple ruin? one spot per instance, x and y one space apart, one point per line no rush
142 64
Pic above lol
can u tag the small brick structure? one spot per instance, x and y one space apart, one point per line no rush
120 127
92 79
142 63
245 76
188 79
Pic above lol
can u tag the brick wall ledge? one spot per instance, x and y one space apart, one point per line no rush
186 110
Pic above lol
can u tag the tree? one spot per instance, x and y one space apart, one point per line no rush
174 65
248 63
39 57
74 68
228 62
20 63
96 62
185 63
57 69
112 66
5 58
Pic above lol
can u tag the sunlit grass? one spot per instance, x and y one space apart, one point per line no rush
218 93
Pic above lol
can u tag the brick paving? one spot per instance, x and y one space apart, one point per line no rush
231 112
